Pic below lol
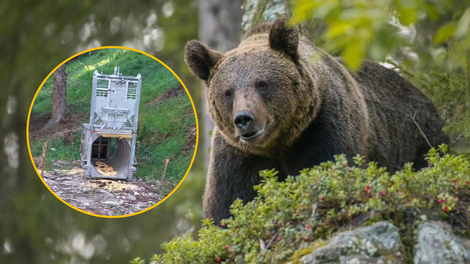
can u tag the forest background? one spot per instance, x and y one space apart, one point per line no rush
426 40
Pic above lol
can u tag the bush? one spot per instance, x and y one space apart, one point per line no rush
303 211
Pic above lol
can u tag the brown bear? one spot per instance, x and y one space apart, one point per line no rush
280 102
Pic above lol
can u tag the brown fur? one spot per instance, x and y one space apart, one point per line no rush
306 107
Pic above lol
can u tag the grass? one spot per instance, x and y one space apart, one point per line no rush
162 129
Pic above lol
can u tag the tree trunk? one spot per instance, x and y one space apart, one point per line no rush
257 12
59 99
219 27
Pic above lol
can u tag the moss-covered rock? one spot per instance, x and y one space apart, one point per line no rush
435 244
379 243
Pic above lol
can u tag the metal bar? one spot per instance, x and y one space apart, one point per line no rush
132 157
93 98
116 78
127 91
137 101
99 147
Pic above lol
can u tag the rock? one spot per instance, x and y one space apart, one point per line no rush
130 197
111 203
434 244
376 244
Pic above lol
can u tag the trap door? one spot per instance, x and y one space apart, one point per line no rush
117 94
116 110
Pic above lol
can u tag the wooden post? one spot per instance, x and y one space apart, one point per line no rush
138 150
164 171
44 148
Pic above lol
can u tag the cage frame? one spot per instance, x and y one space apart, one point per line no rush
100 126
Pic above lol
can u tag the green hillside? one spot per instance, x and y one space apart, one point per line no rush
167 125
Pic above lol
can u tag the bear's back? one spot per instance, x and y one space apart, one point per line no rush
405 123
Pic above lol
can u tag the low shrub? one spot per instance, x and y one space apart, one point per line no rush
304 211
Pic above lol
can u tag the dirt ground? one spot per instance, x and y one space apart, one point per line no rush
178 91
103 196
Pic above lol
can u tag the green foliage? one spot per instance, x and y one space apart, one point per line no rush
57 149
303 211
137 261
361 29
163 126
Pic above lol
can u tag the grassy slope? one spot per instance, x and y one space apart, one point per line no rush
163 127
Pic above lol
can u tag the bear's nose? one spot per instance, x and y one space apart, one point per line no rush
244 120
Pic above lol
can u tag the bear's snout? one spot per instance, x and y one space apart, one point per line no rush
245 123
244 120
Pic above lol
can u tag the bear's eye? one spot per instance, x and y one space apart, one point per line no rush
261 85
228 94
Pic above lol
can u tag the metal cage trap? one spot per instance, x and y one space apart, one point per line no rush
108 141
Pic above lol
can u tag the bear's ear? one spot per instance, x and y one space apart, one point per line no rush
200 58
284 38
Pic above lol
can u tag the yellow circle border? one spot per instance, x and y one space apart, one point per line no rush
195 116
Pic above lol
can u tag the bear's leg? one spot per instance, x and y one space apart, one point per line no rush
232 175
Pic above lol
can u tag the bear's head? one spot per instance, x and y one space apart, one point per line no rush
259 95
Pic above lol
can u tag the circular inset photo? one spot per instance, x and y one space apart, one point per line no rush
112 132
